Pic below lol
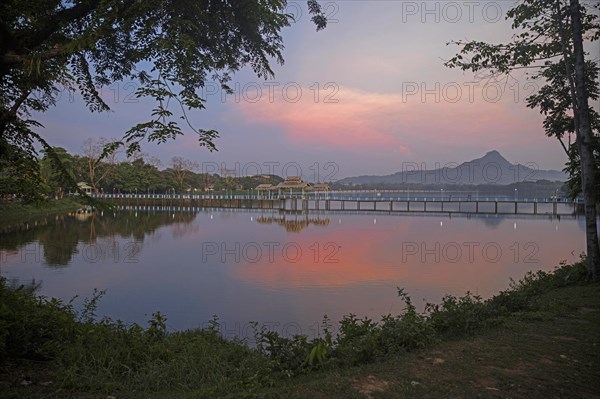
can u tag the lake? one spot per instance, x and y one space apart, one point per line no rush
284 271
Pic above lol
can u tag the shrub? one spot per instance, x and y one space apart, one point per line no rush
32 327
455 316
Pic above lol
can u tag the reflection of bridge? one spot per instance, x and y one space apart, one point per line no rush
330 202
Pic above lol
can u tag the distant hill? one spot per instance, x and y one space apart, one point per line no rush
492 168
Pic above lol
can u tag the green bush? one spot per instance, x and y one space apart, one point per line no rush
32 327
357 340
456 316
361 341
284 355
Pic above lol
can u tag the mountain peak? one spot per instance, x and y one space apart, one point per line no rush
494 156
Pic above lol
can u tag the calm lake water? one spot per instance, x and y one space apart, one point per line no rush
285 271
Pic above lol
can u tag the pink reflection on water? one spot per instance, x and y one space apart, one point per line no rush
438 254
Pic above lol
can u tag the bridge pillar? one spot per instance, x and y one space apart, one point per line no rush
516 207
496 207
535 208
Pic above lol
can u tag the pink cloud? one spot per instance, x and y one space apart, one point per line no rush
391 121
354 121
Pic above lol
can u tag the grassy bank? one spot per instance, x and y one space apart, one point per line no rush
16 212
551 352
537 339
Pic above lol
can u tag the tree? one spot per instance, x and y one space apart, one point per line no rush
550 42
20 176
180 169
170 48
583 130
135 175
98 164
52 175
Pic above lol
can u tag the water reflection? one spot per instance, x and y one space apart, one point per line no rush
58 237
269 267
293 223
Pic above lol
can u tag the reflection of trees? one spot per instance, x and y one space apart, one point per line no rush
293 225
59 236
59 241
182 229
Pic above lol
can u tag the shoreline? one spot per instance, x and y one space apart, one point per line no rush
14 213
537 338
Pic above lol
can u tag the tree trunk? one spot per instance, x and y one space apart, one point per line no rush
92 172
584 145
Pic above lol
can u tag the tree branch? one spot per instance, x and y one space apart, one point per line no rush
77 12
563 145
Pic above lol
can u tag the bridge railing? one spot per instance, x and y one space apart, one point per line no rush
322 196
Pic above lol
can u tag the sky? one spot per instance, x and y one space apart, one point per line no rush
363 96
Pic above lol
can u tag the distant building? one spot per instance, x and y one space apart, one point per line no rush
86 188
320 187
264 187
292 183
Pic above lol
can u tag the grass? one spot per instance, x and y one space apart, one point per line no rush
553 352
538 339
17 212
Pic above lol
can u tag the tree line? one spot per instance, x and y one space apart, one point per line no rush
116 173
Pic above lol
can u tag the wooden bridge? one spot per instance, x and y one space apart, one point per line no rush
306 203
